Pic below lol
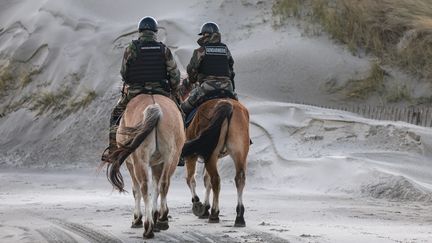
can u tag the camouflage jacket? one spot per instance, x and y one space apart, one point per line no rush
130 55
198 54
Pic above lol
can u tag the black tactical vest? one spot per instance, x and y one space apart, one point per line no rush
149 65
215 60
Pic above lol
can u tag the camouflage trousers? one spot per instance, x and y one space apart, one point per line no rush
202 90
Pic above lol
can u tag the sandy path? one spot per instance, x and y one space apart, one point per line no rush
48 207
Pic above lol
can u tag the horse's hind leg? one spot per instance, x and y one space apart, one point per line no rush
165 181
141 175
204 213
240 181
137 221
211 167
156 174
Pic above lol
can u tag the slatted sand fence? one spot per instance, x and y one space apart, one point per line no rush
417 115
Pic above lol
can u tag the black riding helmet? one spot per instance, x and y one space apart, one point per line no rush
209 27
148 23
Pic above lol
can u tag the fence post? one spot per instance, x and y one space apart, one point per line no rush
429 117
423 116
427 120
398 113
411 115
419 113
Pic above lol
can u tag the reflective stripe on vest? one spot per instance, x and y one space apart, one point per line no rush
215 60
149 65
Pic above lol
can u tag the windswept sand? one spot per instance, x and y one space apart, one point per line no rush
314 175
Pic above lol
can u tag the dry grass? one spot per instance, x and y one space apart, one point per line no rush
26 78
6 79
60 104
361 88
397 31
398 93
287 8
83 102
50 102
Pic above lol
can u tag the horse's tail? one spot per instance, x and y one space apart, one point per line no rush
138 134
206 142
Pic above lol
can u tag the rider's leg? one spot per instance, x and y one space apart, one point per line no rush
114 122
189 104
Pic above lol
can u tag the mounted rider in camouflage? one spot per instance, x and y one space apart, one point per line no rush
211 66
148 67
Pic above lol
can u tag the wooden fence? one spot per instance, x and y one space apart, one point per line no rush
417 115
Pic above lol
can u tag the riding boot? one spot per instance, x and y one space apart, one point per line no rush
112 144
187 107
114 122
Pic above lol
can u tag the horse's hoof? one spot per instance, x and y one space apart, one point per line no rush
148 230
213 219
148 235
205 215
162 225
240 222
135 225
198 209
214 216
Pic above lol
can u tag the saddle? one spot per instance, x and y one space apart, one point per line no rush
214 94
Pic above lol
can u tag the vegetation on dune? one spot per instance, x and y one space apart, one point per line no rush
60 103
5 79
82 102
362 88
26 78
400 93
54 102
398 32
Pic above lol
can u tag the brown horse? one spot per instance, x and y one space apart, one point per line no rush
151 134
219 128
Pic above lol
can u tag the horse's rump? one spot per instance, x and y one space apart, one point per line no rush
213 126
144 114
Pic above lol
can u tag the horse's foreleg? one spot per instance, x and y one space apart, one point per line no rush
141 174
211 167
205 210
137 221
191 182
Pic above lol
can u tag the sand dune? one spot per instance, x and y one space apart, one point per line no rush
301 154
